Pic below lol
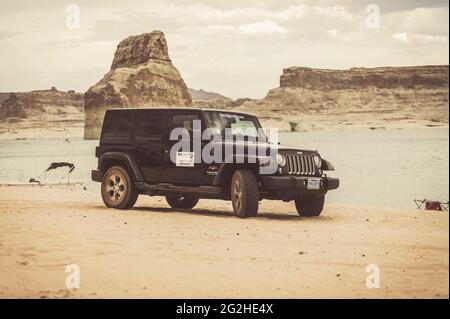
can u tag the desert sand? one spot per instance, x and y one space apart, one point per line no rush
152 251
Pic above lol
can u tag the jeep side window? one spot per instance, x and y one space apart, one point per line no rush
117 125
238 124
149 126
185 121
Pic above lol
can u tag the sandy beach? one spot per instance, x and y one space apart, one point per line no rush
155 252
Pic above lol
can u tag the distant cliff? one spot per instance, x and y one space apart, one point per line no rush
40 102
363 97
411 77
205 99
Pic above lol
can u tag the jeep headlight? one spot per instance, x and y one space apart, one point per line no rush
317 161
281 159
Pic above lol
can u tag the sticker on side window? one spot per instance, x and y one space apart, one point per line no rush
185 159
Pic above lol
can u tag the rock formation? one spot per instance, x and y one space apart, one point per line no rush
11 107
366 97
40 103
205 95
205 99
141 75
360 78
3 96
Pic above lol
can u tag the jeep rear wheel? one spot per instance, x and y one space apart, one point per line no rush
118 190
244 193
181 201
310 207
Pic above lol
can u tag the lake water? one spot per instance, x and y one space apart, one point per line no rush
386 168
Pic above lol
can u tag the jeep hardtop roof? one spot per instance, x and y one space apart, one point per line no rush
171 109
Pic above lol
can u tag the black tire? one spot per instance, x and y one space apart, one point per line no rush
181 201
310 207
118 189
244 193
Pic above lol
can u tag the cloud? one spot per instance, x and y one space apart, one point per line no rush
420 20
219 45
339 12
430 38
207 13
335 34
266 27
401 37
405 37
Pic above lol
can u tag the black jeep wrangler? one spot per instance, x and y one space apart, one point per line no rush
139 153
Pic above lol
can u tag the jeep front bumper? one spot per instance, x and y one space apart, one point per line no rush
293 187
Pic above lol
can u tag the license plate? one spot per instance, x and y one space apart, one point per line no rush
313 183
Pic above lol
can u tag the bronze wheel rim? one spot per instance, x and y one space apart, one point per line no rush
115 187
237 194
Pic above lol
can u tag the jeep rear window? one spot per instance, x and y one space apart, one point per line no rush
117 125
149 125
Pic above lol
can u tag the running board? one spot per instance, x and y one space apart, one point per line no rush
164 188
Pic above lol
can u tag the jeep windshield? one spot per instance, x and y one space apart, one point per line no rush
235 124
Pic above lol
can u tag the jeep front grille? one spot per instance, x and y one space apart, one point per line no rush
300 164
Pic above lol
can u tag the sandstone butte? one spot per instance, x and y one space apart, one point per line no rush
141 75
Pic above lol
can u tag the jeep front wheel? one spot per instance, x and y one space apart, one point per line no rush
310 207
244 193
118 190
181 201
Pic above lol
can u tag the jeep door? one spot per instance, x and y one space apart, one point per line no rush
148 145
183 169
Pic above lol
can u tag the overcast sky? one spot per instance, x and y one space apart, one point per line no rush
236 48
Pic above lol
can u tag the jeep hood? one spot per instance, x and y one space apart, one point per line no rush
281 148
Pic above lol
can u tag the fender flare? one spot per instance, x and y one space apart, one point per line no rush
123 157
224 167
327 166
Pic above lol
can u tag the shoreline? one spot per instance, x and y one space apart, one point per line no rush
62 131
